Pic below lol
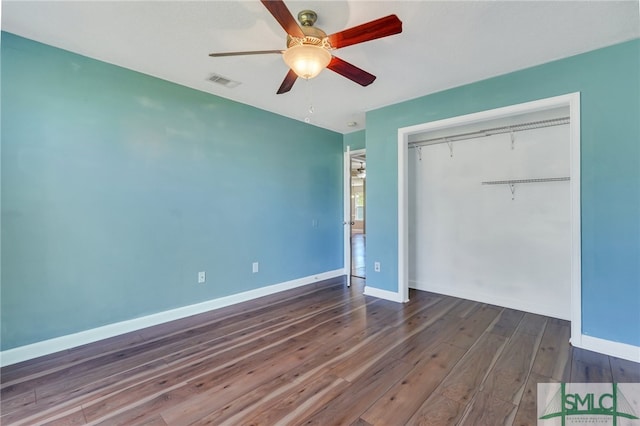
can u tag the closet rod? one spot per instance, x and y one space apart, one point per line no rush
493 131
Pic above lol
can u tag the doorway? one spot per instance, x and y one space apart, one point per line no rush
358 213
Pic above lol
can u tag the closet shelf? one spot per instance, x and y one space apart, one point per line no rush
513 181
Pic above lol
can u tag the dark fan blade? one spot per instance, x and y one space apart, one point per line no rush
352 72
287 84
382 27
250 52
279 11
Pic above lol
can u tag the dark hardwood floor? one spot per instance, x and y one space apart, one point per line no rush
322 354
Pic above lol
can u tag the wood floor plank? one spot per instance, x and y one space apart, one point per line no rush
346 407
473 326
360 422
507 322
76 417
154 421
555 354
17 402
532 323
472 369
487 410
53 406
412 350
624 371
141 411
52 362
295 405
351 367
590 367
438 329
437 410
507 378
528 407
399 403
465 308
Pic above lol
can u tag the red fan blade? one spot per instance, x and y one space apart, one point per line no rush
280 11
250 52
287 84
351 72
382 27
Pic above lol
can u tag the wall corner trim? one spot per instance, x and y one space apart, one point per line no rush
46 347
608 347
384 294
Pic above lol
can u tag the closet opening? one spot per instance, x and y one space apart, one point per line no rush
489 208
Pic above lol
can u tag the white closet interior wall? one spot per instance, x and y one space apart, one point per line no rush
474 241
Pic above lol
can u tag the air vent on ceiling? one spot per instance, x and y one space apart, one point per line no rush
224 81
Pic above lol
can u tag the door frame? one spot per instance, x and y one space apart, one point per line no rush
571 100
346 200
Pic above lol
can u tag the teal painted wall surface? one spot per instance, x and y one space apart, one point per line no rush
117 188
355 140
609 82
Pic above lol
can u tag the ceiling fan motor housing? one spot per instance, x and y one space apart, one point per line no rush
312 35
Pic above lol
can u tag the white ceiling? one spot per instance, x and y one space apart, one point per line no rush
443 44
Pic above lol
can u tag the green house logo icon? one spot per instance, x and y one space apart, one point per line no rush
589 400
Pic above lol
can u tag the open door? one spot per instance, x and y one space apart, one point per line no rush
354 221
347 214
358 213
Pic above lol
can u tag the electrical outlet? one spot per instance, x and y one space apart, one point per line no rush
202 277
376 266
255 267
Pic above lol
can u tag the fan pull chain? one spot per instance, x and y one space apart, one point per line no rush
310 110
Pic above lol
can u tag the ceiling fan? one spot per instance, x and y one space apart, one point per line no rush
360 172
309 48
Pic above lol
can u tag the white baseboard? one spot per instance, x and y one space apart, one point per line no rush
384 294
46 347
521 305
608 347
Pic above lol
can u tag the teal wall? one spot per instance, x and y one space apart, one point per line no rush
609 82
355 140
117 188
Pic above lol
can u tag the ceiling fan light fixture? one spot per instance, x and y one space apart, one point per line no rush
306 60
